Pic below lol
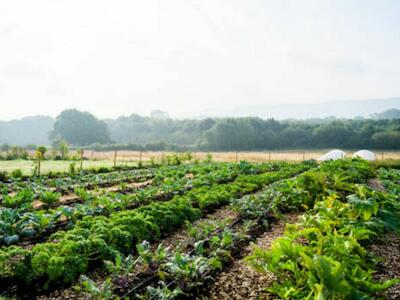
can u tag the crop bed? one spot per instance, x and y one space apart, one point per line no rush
194 231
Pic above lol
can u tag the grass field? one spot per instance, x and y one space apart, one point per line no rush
27 166
106 159
295 155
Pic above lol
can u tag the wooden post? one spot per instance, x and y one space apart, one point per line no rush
39 157
237 156
140 158
269 156
115 158
304 156
383 155
81 159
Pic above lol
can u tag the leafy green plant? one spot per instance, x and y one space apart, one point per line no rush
187 270
93 291
24 197
152 259
162 292
17 173
49 198
322 257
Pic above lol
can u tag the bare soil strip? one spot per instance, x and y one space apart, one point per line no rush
388 249
242 282
376 184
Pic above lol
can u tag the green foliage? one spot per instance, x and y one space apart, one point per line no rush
62 147
151 259
49 198
79 128
67 254
187 270
162 292
40 152
17 173
3 176
88 288
323 256
23 198
72 168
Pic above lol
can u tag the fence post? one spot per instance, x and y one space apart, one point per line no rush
383 155
140 158
304 156
39 157
269 156
237 156
115 158
81 159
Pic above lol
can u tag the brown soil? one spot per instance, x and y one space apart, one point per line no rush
376 184
388 249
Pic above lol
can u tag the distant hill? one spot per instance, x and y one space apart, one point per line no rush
28 130
388 114
339 109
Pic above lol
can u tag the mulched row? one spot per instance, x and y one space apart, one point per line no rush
388 250
242 282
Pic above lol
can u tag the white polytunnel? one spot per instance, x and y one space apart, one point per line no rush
365 154
333 155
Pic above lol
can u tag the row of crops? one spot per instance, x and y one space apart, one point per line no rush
23 220
110 244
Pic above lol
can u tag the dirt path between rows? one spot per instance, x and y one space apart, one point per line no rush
388 249
242 282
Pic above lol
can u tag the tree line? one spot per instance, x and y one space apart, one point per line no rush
223 134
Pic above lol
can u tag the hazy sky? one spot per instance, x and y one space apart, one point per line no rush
120 57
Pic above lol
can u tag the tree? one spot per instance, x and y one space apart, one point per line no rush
5 147
159 114
62 146
79 128
334 134
387 140
41 151
230 134
388 114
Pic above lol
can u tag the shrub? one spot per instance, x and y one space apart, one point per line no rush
17 173
72 168
3 176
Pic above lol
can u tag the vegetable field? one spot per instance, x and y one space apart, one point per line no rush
197 230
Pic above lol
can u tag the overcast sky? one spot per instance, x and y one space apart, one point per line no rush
120 57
